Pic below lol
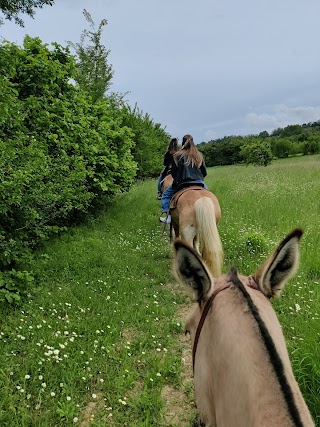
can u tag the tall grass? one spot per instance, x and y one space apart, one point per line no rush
259 207
97 341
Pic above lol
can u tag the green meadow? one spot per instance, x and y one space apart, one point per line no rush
99 341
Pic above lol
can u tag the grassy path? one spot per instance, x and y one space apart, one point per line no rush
100 341
97 343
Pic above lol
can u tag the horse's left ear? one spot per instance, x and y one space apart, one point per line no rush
191 271
272 276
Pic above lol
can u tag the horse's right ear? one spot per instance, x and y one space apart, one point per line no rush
191 271
272 276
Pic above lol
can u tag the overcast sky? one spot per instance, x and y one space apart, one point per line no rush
206 67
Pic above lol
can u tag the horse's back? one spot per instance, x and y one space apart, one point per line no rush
187 200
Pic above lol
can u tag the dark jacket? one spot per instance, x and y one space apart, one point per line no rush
167 162
185 175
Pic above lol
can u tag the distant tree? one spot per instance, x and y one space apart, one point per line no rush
230 151
312 146
291 130
257 153
263 134
94 73
315 124
281 148
276 132
283 142
12 9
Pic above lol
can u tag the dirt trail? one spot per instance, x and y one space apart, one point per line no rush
179 408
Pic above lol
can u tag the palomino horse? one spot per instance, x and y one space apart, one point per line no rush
242 373
167 181
194 219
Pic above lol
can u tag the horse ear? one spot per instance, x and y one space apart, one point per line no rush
272 276
191 272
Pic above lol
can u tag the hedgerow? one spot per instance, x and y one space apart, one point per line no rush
60 154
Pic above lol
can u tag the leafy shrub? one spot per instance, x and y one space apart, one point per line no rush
257 153
60 154
311 146
150 141
281 148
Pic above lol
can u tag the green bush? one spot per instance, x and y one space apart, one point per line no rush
150 141
60 153
311 146
257 153
281 148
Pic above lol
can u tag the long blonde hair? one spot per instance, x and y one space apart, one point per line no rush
189 150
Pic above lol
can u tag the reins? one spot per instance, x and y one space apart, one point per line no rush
252 284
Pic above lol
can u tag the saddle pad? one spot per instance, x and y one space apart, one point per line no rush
175 197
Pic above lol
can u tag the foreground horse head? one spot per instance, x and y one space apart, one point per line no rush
195 220
242 373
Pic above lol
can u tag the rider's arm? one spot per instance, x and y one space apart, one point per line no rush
203 169
167 159
174 169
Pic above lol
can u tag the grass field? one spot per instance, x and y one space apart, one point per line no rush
100 341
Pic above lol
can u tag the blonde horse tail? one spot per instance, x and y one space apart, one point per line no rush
208 235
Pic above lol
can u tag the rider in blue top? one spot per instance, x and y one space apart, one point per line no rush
187 169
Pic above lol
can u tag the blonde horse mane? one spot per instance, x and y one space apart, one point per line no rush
209 238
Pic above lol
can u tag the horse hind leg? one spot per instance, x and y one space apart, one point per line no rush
174 231
189 235
196 244
198 423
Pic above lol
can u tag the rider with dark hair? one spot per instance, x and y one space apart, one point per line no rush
187 169
167 162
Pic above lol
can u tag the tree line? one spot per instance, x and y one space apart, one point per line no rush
260 149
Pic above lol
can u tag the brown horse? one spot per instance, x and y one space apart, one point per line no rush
242 372
167 181
194 220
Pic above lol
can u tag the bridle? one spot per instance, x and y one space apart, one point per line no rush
252 284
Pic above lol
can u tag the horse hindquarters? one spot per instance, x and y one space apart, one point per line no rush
209 238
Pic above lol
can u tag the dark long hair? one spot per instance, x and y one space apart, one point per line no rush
173 146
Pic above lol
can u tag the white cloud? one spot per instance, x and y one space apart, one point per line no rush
263 121
281 116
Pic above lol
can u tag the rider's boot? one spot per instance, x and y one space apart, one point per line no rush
167 219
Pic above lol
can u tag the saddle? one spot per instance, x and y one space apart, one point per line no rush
176 196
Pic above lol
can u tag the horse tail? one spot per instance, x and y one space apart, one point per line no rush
208 234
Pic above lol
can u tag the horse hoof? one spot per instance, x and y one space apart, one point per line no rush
198 423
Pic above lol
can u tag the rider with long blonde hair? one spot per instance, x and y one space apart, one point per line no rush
187 169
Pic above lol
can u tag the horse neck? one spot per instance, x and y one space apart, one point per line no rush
234 375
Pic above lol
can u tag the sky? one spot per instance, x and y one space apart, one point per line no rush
209 68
